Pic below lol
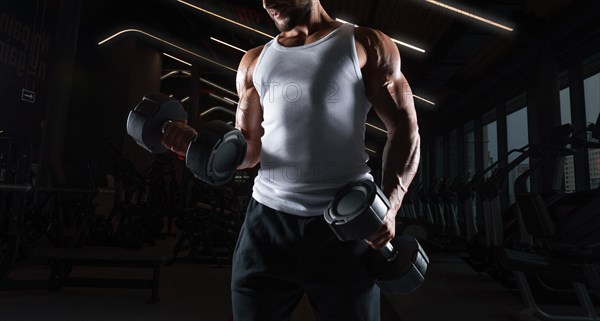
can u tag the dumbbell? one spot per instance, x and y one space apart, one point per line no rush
356 212
213 156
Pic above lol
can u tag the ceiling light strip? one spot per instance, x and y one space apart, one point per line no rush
169 74
231 100
375 127
166 42
218 87
226 19
175 72
470 15
394 40
177 59
370 150
185 99
222 99
425 100
408 45
228 45
218 108
344 21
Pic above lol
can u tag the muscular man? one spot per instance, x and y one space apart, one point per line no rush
304 99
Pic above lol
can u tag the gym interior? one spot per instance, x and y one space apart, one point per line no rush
94 227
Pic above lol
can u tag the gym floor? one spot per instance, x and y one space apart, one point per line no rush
453 291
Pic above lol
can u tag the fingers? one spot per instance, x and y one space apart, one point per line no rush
385 234
379 242
177 136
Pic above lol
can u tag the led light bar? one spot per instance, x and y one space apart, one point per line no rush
344 21
218 108
228 45
177 59
425 100
230 102
394 40
218 87
165 42
370 150
407 45
175 72
185 99
377 128
470 15
167 75
226 19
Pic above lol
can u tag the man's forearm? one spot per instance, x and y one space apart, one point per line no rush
400 163
252 156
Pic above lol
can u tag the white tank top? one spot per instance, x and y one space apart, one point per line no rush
314 112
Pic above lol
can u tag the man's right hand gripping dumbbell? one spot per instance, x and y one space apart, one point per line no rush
159 123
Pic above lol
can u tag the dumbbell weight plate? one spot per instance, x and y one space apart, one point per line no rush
356 212
145 122
403 275
347 216
217 152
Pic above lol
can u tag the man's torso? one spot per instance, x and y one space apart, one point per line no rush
314 112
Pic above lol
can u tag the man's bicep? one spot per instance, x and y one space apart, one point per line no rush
248 116
248 119
386 86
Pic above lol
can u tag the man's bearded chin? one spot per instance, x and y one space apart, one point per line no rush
284 25
294 18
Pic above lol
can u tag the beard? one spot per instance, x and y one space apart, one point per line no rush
294 17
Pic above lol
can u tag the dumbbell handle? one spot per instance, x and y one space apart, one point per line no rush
389 252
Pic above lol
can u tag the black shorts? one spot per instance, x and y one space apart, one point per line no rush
280 256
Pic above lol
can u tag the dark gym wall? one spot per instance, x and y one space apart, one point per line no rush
109 81
37 48
65 93
83 91
27 44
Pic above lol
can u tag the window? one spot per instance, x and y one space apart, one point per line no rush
440 158
453 154
592 109
517 137
469 149
490 147
565 118
565 106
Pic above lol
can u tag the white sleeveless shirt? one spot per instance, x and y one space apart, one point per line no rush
314 112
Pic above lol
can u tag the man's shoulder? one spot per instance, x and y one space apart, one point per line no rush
249 60
369 37
252 55
255 52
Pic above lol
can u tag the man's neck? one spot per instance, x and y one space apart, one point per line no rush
318 19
